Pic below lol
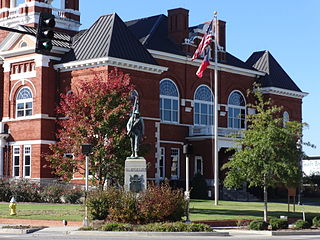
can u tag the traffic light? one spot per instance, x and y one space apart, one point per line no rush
45 33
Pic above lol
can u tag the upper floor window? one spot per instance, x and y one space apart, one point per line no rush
236 111
169 99
285 118
24 103
203 106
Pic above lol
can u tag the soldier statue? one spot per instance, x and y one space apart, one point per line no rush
135 129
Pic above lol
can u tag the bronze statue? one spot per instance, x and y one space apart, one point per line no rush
135 129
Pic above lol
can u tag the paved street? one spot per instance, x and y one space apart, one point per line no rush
59 235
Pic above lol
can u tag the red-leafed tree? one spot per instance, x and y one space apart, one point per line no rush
96 113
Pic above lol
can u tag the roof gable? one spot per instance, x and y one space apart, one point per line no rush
275 74
109 37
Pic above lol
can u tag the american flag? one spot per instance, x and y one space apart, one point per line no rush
205 42
205 63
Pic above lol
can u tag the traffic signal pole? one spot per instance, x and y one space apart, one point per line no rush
16 30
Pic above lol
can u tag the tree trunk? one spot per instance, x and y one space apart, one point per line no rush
265 199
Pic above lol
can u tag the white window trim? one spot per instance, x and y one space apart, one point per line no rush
13 161
171 98
24 161
176 177
163 156
24 101
203 102
196 158
239 107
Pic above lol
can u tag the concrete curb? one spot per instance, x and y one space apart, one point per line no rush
19 231
149 234
276 233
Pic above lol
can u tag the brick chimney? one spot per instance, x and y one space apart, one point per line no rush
178 24
222 34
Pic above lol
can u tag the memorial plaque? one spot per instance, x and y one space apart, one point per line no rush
135 176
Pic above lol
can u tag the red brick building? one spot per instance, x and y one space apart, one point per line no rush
156 51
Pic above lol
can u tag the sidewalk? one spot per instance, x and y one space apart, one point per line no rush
31 222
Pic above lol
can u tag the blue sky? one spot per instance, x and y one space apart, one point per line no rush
289 29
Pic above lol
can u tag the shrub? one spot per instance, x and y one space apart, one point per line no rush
199 187
25 190
258 225
278 223
113 226
5 191
174 227
316 221
300 224
52 193
158 204
72 195
97 203
124 209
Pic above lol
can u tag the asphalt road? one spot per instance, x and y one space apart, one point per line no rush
61 236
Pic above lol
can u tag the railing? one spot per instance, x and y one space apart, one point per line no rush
209 131
60 13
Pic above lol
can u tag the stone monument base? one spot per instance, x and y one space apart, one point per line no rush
135 175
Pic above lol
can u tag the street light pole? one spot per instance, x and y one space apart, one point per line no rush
187 149
86 149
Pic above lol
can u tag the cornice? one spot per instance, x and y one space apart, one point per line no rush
284 92
197 62
110 61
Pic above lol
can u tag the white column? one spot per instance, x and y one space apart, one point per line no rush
63 4
158 153
1 161
13 3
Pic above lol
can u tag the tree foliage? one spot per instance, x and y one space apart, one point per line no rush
270 152
97 114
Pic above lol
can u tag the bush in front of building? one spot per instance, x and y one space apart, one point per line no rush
156 204
5 191
278 223
161 203
258 225
174 227
316 222
29 191
199 187
301 224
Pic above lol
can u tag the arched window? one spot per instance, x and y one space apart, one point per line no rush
285 118
169 101
24 103
203 106
236 111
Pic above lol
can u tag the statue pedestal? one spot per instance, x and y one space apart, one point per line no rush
135 175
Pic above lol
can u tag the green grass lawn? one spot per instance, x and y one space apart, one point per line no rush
69 212
206 210
200 210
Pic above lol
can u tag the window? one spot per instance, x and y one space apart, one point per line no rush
203 106
285 118
27 161
198 165
16 161
236 111
24 103
162 163
175 163
23 44
169 99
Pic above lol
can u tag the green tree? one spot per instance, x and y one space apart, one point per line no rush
270 152
96 113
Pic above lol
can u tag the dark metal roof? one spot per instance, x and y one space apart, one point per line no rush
108 36
275 75
60 39
152 32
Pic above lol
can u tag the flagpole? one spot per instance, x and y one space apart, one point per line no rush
216 160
